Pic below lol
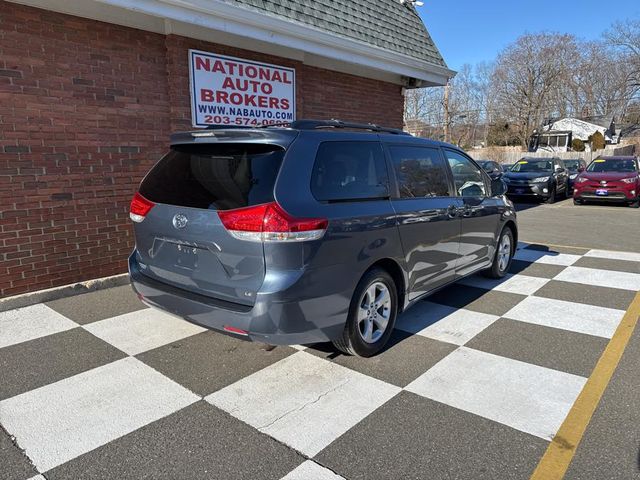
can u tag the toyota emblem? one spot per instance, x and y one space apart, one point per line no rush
180 220
603 182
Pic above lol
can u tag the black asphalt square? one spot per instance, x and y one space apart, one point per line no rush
562 350
209 361
411 437
587 294
197 442
406 357
93 306
477 299
29 365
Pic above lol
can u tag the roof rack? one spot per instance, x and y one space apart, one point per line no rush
333 123
316 124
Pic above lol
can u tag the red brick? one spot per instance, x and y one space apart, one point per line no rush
74 146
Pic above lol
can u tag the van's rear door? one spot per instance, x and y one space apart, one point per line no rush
182 241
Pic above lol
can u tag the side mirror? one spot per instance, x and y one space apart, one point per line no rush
498 187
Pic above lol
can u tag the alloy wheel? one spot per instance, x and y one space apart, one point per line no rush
374 312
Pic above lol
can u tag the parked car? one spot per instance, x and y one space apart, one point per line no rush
493 169
611 179
574 166
507 166
543 178
312 233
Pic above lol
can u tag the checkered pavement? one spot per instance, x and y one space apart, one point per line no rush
476 382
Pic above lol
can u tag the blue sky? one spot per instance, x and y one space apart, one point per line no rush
471 31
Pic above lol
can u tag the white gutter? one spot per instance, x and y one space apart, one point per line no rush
244 22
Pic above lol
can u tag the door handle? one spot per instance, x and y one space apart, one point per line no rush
452 211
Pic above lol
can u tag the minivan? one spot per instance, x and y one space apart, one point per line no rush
320 231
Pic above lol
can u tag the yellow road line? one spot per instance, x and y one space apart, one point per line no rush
560 452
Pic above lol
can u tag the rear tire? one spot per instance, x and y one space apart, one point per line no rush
372 315
503 256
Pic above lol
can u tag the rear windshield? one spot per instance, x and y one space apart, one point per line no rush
531 166
612 165
218 177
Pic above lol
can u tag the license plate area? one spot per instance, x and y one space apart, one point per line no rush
603 192
186 256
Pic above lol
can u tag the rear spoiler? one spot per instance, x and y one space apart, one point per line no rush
281 137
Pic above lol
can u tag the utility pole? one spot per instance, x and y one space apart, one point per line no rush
447 119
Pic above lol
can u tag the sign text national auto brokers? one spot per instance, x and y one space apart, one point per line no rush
232 91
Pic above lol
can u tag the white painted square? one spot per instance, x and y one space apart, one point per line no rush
520 284
62 420
628 256
303 401
526 397
548 258
143 330
444 323
600 278
576 317
29 323
310 470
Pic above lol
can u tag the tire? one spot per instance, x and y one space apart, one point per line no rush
552 196
506 245
577 202
567 192
635 203
356 337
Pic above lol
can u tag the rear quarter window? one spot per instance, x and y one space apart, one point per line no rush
218 177
349 171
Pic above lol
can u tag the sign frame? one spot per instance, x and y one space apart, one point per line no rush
256 122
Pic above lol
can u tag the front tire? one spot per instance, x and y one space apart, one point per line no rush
577 202
552 196
503 256
635 203
372 315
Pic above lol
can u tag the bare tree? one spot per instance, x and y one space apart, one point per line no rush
625 36
527 77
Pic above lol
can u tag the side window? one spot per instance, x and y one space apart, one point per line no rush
421 172
467 177
349 171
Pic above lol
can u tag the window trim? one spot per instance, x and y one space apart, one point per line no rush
485 175
396 184
356 199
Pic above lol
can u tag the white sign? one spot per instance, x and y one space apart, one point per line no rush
232 91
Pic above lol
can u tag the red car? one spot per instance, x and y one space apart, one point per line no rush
611 179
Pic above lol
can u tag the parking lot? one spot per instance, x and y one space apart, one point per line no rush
481 380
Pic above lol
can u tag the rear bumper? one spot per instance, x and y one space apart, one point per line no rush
275 318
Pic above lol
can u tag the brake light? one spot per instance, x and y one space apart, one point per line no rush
270 223
139 208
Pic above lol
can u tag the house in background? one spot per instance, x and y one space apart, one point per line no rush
558 135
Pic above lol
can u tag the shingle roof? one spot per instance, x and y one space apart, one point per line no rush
387 24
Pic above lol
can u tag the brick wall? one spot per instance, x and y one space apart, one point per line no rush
85 110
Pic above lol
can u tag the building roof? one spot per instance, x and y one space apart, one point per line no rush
387 24
580 129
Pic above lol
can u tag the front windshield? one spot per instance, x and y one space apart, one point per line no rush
612 165
533 166
572 165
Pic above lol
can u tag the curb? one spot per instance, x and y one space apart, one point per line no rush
31 298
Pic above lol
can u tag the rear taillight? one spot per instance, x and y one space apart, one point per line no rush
270 223
140 206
